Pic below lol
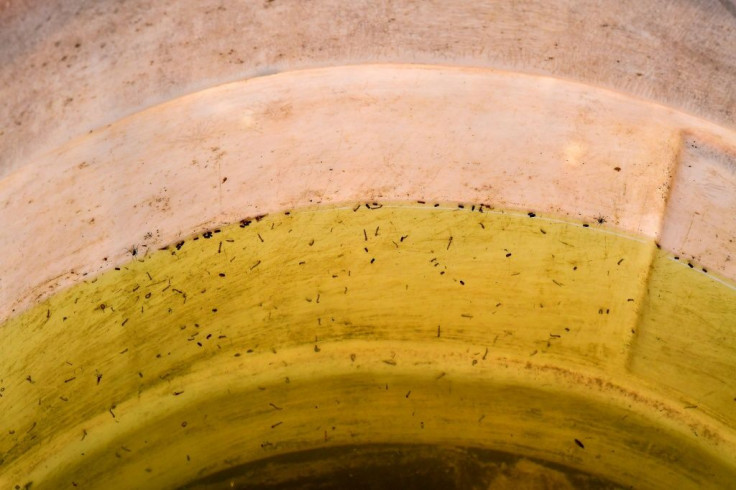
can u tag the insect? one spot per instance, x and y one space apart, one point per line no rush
132 250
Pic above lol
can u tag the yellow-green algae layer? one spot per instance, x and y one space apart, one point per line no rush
369 324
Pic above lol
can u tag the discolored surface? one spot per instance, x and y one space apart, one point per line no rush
373 323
